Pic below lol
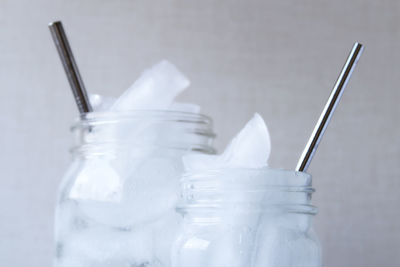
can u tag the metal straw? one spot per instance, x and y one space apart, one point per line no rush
70 67
329 108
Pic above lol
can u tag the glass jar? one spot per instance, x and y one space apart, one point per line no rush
117 201
247 218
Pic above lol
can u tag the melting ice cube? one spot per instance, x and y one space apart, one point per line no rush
97 181
156 89
249 149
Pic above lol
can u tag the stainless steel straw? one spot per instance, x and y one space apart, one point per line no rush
70 67
329 108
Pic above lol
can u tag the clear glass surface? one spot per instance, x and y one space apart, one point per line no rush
247 218
116 205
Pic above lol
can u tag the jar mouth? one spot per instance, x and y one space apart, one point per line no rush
283 177
247 190
102 132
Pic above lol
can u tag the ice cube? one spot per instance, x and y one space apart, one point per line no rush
147 244
149 192
155 89
249 149
97 181
280 245
163 240
198 162
100 244
231 247
192 248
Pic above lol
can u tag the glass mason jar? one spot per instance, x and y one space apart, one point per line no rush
247 218
117 201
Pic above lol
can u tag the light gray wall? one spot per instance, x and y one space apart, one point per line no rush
279 58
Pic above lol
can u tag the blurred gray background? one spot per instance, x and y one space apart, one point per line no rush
279 58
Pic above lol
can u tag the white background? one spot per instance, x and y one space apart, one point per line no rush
279 58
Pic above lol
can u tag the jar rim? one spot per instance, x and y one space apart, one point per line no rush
198 129
250 172
265 168
98 117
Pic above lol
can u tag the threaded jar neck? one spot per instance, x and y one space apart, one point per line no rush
99 133
239 190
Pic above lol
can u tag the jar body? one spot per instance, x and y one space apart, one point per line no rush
266 244
116 205
260 226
